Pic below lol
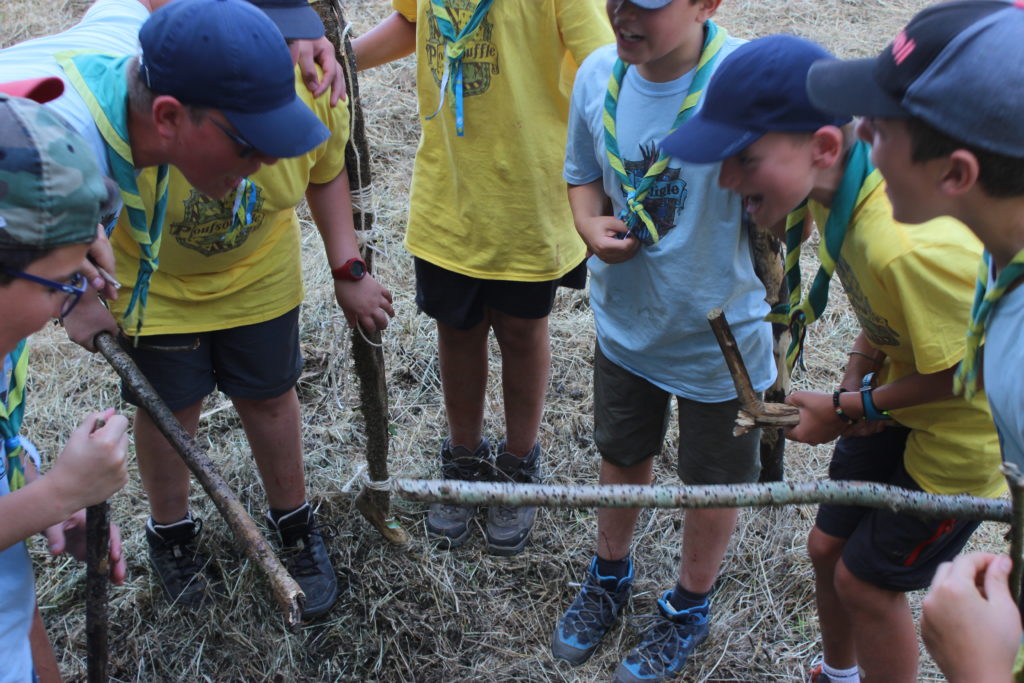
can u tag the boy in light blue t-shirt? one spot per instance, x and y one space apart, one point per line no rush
672 248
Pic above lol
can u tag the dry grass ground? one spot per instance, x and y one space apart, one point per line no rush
419 614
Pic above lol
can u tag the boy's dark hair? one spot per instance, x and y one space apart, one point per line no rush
18 259
999 175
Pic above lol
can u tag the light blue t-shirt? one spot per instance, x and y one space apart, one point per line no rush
1004 362
17 588
651 311
109 26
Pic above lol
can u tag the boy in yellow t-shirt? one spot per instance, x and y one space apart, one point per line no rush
222 312
488 221
911 288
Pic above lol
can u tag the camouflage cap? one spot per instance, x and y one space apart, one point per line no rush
51 190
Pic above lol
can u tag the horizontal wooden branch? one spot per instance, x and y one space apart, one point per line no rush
866 494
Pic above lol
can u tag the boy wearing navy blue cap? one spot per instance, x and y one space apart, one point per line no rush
943 106
894 409
672 247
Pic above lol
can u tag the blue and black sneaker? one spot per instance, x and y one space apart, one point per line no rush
666 644
590 616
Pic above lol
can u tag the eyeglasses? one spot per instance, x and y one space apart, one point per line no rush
73 289
247 150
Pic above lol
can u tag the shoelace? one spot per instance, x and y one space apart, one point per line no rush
597 608
662 640
300 559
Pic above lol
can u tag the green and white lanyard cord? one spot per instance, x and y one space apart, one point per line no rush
965 380
12 410
636 217
859 180
455 43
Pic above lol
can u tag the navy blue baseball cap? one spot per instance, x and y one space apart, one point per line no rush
759 88
957 65
228 55
295 19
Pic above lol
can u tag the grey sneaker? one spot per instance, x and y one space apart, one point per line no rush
179 566
305 556
508 528
666 644
590 616
447 522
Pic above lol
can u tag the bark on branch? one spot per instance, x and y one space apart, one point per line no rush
97 577
286 592
1015 481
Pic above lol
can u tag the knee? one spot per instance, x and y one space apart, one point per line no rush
824 550
857 595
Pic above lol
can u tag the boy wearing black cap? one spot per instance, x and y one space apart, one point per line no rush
943 108
671 248
894 409
48 215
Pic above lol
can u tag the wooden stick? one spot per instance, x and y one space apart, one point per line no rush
867 494
286 592
97 577
374 501
1015 481
753 412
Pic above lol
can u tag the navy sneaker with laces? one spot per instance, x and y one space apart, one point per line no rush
590 616
666 644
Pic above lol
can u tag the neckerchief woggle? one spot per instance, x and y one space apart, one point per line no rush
859 179
102 82
965 380
12 410
636 217
454 47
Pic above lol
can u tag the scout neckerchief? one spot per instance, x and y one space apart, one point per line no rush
102 82
454 47
12 409
859 179
966 378
635 215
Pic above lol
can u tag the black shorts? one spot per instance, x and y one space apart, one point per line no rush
259 361
893 551
459 301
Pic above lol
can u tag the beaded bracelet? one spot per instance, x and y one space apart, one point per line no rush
839 411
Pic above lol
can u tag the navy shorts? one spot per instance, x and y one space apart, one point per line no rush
460 301
259 361
631 417
893 551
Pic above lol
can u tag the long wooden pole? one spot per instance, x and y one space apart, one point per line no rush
97 578
285 590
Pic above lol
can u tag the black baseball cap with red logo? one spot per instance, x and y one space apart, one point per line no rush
959 66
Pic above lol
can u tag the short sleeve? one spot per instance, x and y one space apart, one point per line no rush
330 156
581 163
407 8
584 27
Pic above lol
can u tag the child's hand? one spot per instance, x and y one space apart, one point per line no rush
93 464
365 301
818 420
100 258
969 620
601 235
307 53
69 537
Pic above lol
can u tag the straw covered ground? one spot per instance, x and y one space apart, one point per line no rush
417 613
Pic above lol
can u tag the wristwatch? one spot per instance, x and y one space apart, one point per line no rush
351 270
871 413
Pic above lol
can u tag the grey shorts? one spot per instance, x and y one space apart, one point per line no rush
631 418
260 361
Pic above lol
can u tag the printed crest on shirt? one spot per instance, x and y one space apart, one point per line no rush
206 224
667 195
479 61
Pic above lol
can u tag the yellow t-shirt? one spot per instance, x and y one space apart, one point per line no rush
209 281
911 287
492 204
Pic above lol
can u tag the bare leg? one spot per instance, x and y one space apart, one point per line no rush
43 658
883 629
525 368
615 526
273 429
706 535
462 355
836 629
164 474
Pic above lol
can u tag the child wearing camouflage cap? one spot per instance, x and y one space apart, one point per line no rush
51 193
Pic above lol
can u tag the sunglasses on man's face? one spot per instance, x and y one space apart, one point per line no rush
246 150
74 289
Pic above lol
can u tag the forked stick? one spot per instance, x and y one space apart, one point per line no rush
753 412
286 592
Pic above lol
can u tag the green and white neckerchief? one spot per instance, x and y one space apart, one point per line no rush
859 180
965 380
102 82
636 217
455 43
12 410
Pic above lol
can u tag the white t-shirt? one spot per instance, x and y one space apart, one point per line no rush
651 311
1004 362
